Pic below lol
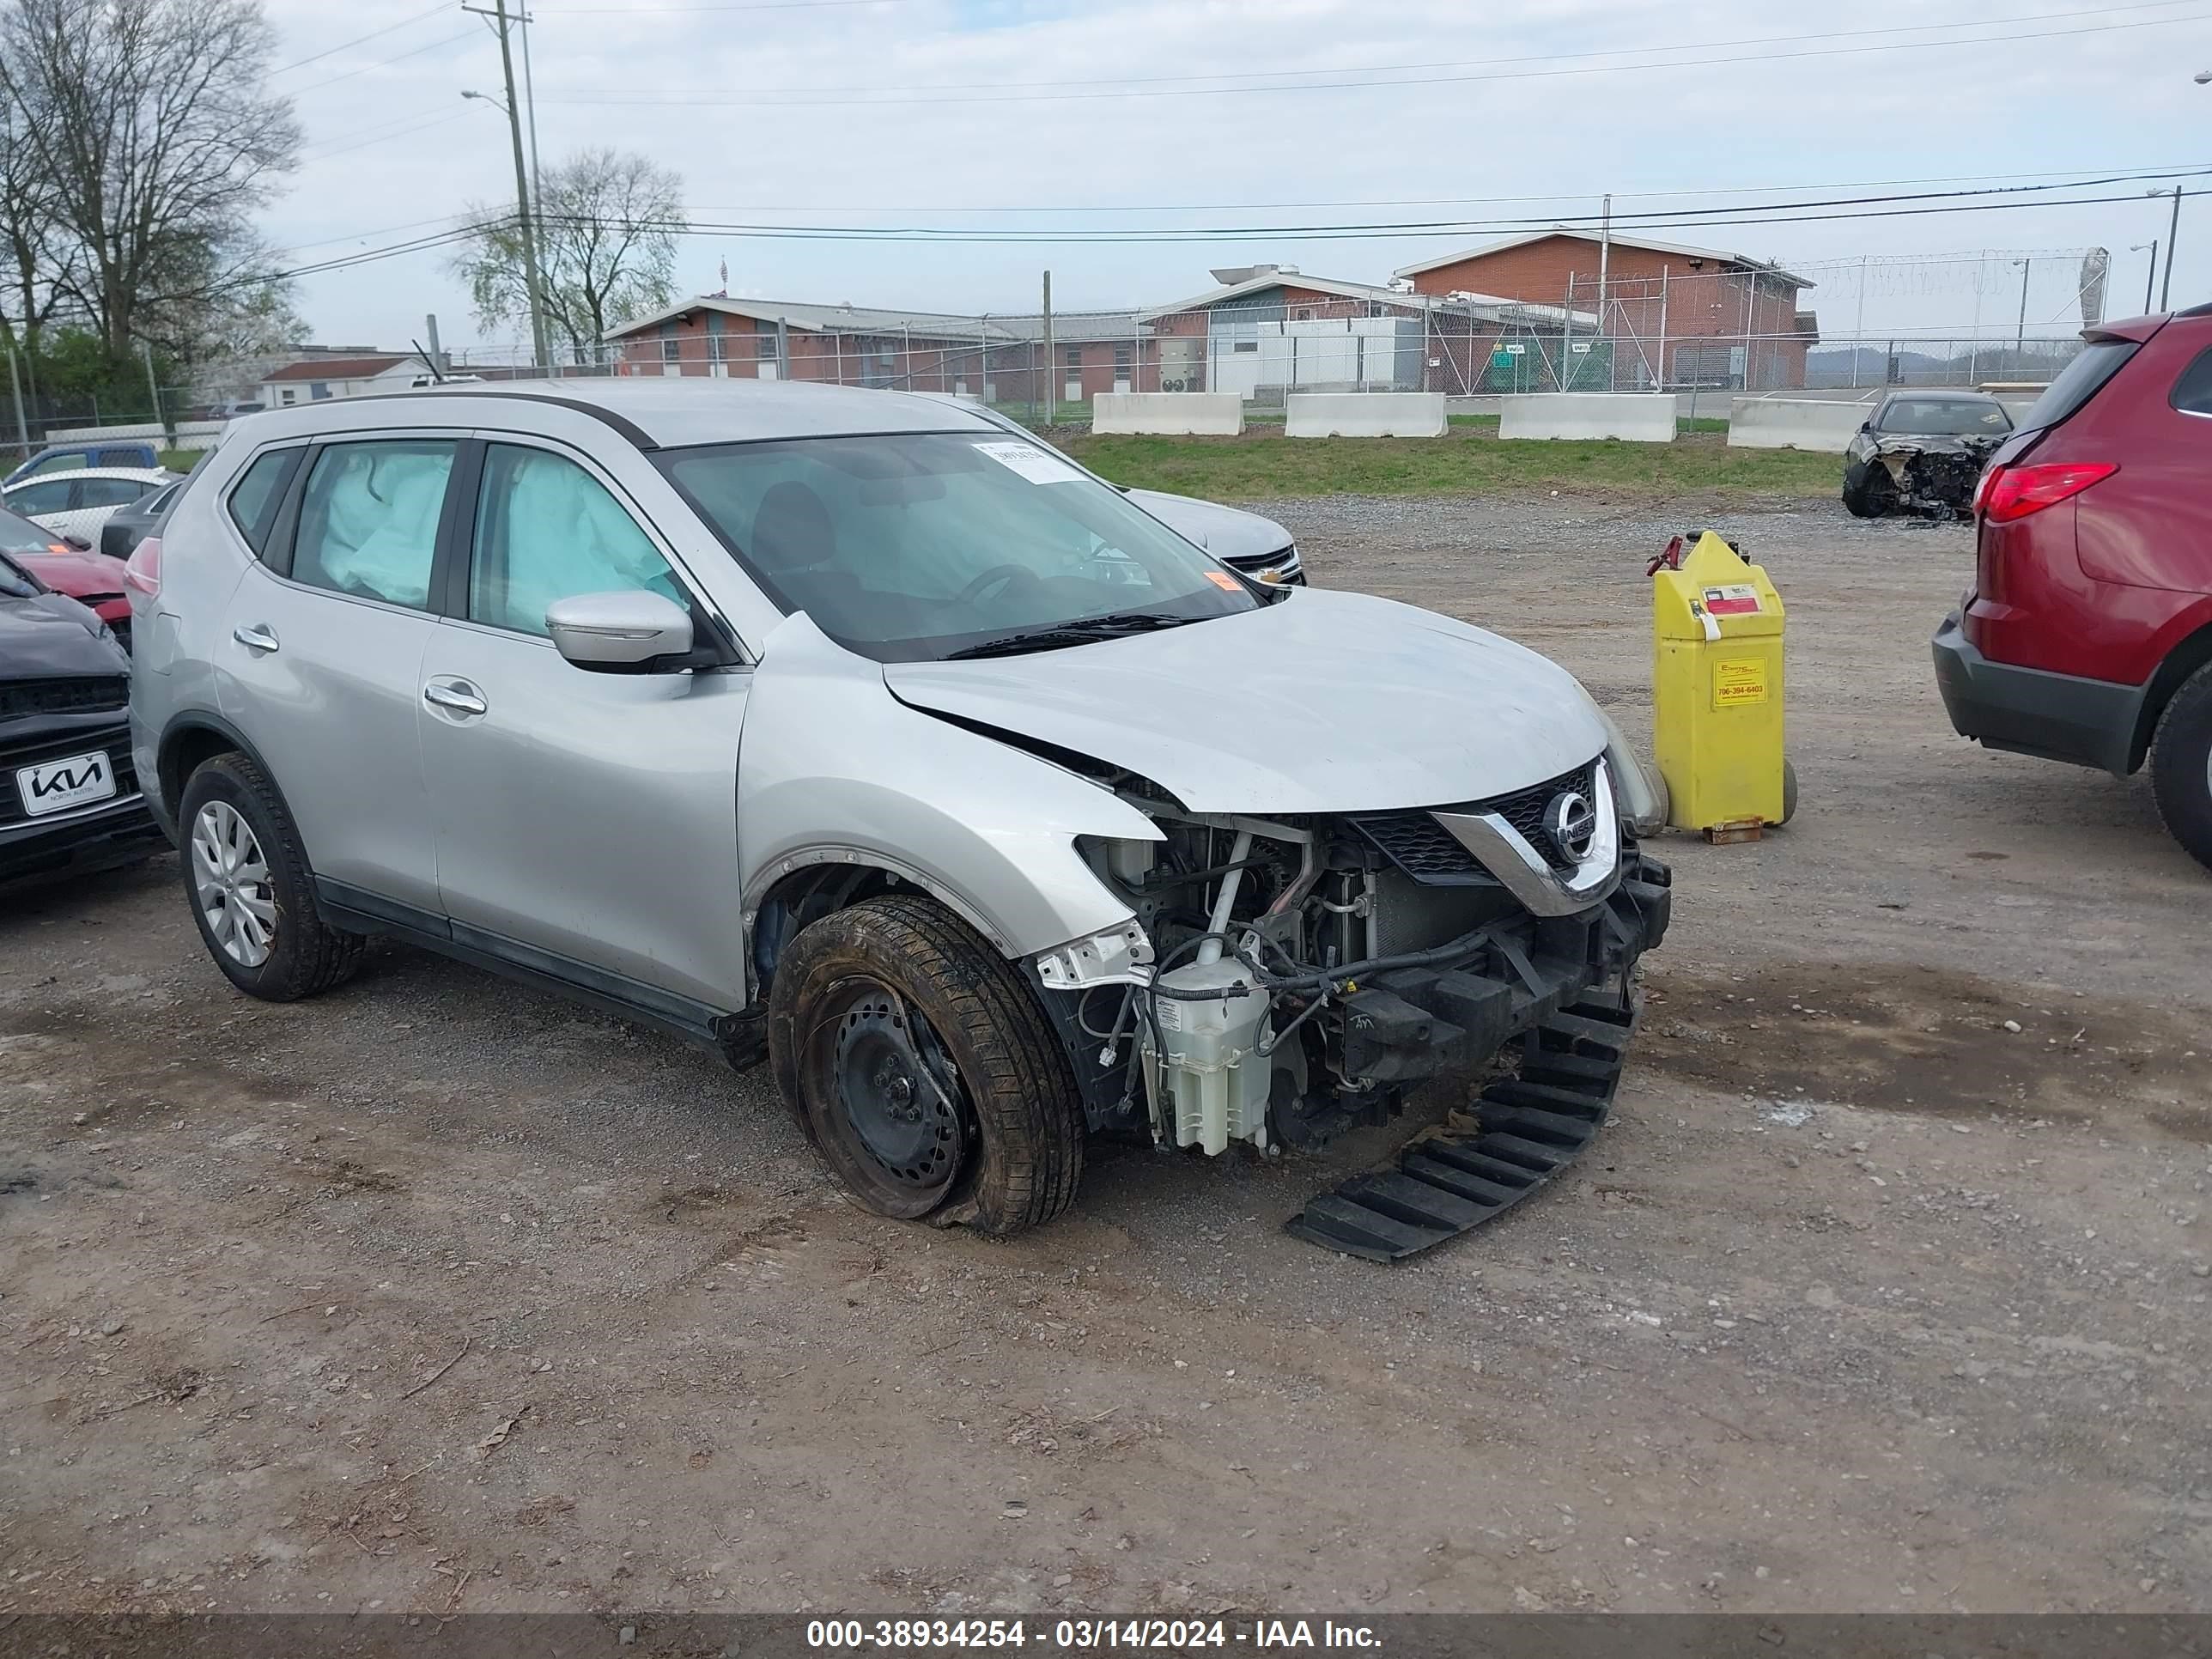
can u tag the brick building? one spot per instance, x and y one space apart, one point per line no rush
1687 316
1269 329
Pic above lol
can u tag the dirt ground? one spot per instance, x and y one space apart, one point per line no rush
1887 1289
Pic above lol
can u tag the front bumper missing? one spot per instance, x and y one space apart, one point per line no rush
1574 1014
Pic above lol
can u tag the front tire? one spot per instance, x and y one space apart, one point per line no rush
2181 766
251 892
919 1063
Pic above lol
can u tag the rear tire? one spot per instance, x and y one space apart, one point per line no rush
921 1065
251 892
2181 766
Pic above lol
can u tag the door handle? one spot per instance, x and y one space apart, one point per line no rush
459 695
254 637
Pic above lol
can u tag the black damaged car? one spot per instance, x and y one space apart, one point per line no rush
1921 453
69 797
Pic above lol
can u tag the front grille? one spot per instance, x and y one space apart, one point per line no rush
12 756
81 695
1524 809
1420 845
1425 850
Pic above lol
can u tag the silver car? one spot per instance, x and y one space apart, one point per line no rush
850 731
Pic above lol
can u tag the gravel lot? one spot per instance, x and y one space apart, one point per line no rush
1888 1288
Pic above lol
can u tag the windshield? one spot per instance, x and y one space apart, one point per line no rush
908 547
18 535
15 582
1946 418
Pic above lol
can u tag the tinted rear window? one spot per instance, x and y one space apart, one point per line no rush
2078 382
258 494
2193 392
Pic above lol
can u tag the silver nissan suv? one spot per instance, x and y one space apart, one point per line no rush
849 731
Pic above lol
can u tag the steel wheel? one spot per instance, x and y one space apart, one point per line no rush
230 878
898 1103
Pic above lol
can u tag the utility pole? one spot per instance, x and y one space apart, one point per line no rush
154 391
525 223
1604 266
15 386
2020 336
2172 235
1051 369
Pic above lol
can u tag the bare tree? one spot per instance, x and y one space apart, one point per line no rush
153 142
606 248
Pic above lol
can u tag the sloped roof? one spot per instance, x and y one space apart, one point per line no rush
1717 256
813 318
336 368
1490 308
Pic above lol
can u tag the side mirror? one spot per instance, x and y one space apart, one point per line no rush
77 543
633 632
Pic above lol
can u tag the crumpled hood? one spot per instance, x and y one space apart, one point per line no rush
1323 702
49 636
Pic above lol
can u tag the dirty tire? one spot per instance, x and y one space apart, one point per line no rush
307 956
2181 766
1022 1120
1874 496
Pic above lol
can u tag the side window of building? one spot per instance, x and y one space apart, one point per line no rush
547 530
259 494
2193 392
369 519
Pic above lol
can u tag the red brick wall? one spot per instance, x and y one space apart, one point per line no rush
1702 300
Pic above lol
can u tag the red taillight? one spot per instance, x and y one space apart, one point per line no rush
142 572
2006 492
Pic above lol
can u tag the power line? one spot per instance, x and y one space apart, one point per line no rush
331 51
1735 214
772 101
1543 57
320 153
2062 178
383 63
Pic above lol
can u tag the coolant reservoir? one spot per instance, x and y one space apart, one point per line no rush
1209 1087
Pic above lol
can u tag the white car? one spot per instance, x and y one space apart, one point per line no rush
77 503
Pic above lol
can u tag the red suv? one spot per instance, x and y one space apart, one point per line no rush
2087 633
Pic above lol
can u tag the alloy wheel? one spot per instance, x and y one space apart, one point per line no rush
231 880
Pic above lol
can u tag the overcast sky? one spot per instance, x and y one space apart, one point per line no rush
777 113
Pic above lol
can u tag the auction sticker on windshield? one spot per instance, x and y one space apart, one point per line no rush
1037 465
55 786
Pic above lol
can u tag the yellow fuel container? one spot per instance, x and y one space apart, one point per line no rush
1716 692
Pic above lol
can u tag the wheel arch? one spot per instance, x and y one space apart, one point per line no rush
188 741
804 885
2192 653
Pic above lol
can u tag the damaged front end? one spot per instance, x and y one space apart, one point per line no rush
1289 977
1925 477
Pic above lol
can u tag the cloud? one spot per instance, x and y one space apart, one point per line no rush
801 132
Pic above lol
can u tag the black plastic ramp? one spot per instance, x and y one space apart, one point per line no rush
1528 1128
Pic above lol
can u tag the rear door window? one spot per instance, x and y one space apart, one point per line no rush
259 494
109 492
135 456
2193 392
369 519
2079 381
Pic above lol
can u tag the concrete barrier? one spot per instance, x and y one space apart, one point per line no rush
1205 414
191 434
1794 423
1643 417
1364 415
